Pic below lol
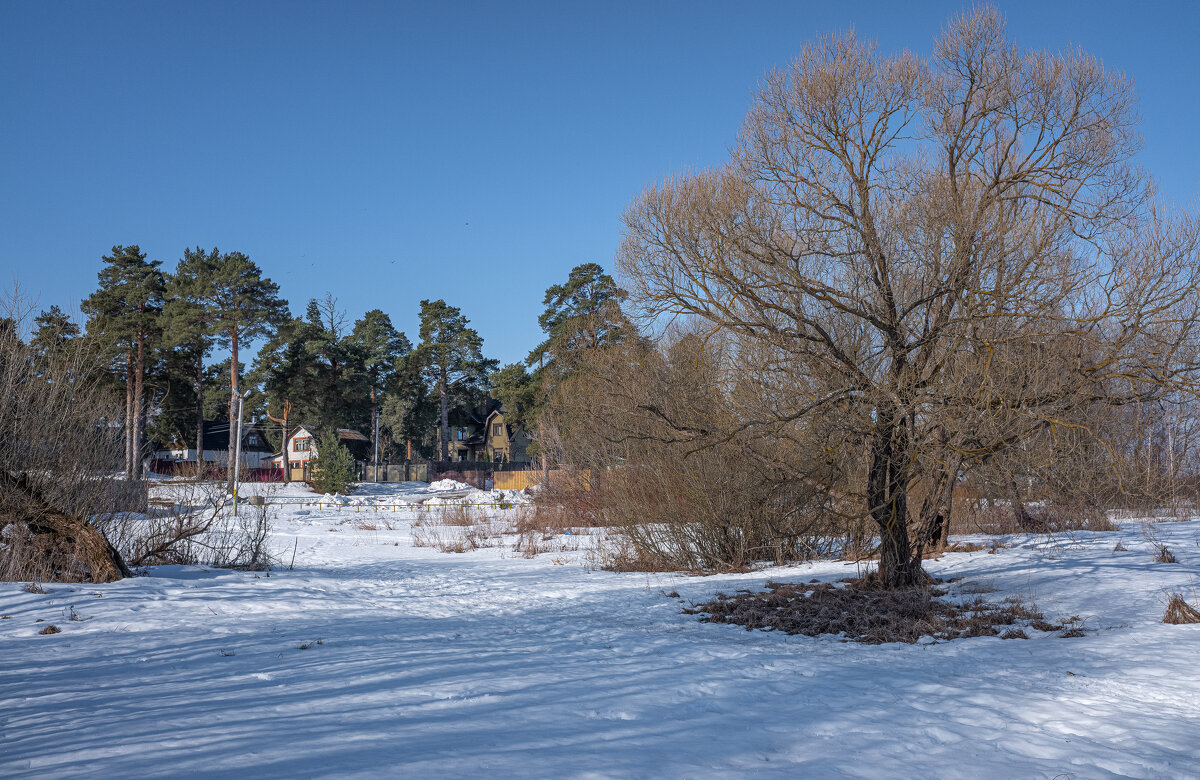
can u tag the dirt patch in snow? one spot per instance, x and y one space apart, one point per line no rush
862 611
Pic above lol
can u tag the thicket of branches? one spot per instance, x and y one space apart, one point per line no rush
912 276
67 510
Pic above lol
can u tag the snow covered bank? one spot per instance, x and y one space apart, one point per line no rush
488 664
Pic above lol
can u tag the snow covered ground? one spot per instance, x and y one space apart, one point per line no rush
418 663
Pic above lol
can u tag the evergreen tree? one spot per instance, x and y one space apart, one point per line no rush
380 351
451 359
188 335
53 331
332 468
242 305
517 391
582 314
336 366
123 320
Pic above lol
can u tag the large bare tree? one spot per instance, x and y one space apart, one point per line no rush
948 256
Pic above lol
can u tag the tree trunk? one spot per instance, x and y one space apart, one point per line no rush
139 407
230 466
374 436
283 450
937 506
887 500
444 409
200 414
129 424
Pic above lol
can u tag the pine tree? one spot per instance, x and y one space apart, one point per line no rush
53 331
582 314
332 468
517 392
243 305
380 350
123 320
188 326
451 358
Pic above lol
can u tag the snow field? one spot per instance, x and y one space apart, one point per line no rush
487 663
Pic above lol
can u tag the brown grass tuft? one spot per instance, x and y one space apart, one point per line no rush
51 629
1164 554
1180 612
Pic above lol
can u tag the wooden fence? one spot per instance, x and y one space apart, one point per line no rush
401 472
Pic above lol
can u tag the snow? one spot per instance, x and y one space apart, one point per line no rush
486 663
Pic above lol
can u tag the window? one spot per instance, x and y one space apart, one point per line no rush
252 440
497 430
462 433
301 445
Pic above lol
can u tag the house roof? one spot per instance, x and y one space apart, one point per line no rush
345 434
216 437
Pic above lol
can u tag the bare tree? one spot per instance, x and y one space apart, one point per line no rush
948 256
63 447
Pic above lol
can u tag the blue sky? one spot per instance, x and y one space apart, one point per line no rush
389 152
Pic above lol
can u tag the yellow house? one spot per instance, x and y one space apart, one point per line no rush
486 436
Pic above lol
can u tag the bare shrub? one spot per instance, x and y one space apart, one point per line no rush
33 587
863 611
457 528
1003 518
63 447
1179 611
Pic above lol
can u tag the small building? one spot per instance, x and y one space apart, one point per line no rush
301 448
486 436
256 451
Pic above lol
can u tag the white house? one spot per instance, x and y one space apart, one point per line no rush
256 451
301 448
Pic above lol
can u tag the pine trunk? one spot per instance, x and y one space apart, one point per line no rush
129 425
233 386
444 409
374 435
139 407
200 414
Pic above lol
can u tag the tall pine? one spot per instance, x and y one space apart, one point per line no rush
124 321
243 305
451 358
380 350
188 328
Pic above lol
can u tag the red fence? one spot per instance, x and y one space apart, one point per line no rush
173 468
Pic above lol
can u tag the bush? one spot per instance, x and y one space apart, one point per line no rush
333 466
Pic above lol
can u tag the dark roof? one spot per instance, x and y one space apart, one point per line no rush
216 437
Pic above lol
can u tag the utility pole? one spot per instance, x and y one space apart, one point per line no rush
237 448
283 454
376 446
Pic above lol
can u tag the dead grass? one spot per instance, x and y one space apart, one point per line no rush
50 629
862 611
481 531
1163 554
1179 612
999 519
33 587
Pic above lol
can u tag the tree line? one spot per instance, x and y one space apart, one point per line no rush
154 331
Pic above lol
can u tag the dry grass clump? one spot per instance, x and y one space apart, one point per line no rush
862 611
1180 612
50 629
976 517
457 536
1163 553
